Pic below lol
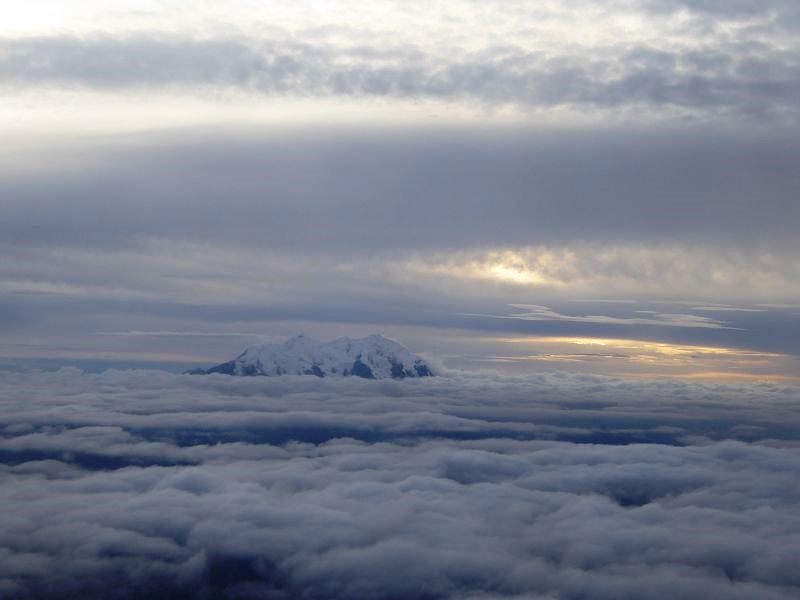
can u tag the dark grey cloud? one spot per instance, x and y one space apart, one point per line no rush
141 483
343 189
728 9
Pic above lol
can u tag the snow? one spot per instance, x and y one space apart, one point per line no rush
371 357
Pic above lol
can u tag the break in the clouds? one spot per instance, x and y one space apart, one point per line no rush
132 484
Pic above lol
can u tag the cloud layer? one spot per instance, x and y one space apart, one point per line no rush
142 483
700 81
700 59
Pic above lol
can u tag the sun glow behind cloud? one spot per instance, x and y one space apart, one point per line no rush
648 359
621 269
213 279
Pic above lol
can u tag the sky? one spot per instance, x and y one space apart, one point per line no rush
586 187
581 214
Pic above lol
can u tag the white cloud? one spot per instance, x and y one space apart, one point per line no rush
534 312
449 488
557 61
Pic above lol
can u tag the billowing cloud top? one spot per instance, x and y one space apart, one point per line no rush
134 484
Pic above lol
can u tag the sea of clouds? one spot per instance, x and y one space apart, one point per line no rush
144 484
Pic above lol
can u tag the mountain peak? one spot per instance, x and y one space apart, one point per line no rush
371 357
299 340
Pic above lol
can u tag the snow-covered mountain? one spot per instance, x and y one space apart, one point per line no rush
372 357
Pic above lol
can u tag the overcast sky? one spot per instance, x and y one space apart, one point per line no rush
559 185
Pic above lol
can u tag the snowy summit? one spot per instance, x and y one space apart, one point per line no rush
372 357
